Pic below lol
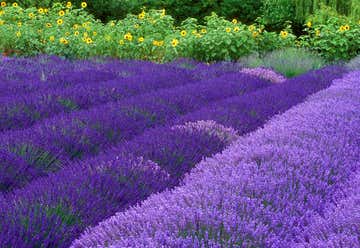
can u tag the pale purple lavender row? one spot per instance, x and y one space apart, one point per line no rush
21 111
339 226
261 192
49 145
265 73
175 149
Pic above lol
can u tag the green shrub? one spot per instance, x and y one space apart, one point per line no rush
289 62
149 35
335 36
106 10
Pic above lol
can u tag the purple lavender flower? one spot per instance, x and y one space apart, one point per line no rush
262 191
21 111
265 73
85 133
226 134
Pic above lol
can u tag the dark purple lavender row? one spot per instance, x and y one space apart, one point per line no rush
50 144
54 210
22 76
238 115
254 109
261 192
21 111
175 149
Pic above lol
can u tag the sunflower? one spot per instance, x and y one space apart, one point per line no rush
309 24
51 38
89 40
63 41
83 5
183 33
128 36
347 27
141 39
284 34
19 24
228 30
158 43
31 15
60 22
163 12
121 42
68 5
41 11
236 29
234 21
15 5
18 34
61 13
203 31
141 15
3 4
175 42
76 33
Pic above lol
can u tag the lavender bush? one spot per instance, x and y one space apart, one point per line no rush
21 111
261 192
253 109
49 145
265 73
174 149
340 224
60 206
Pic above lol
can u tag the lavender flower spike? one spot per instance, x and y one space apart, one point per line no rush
226 134
265 73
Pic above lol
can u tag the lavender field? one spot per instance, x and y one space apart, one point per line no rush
115 153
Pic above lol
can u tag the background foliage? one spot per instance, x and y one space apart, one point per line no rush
171 32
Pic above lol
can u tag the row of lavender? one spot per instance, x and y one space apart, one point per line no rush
83 86
53 143
54 210
293 183
73 86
